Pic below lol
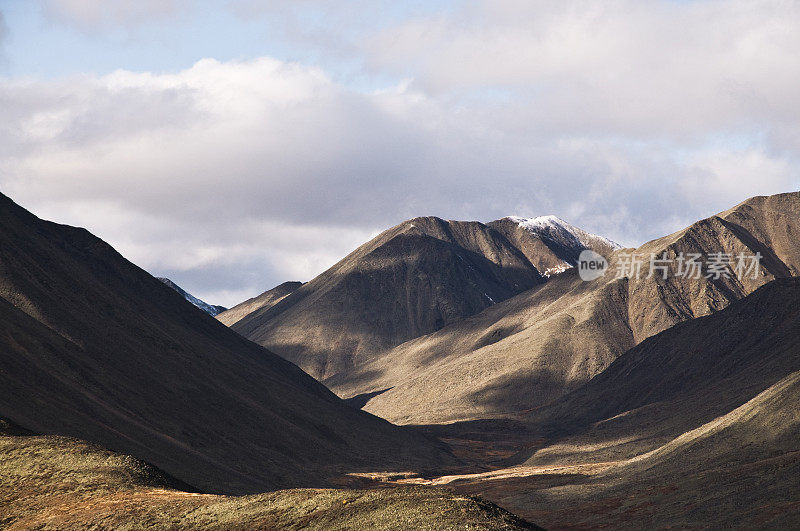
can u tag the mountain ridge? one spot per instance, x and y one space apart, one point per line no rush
267 299
210 309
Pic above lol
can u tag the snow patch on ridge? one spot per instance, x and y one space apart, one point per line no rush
555 228
557 270
210 309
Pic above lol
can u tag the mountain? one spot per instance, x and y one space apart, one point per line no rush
62 483
551 244
687 375
737 471
208 308
412 279
532 349
93 347
698 425
265 300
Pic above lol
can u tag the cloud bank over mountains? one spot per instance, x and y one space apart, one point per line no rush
627 119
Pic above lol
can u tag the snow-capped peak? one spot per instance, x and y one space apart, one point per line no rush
555 228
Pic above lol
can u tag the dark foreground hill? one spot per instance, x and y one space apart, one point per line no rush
93 347
63 483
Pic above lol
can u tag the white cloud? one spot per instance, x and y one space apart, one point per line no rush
737 174
621 66
630 119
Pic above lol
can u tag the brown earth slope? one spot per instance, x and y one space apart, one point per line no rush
528 351
266 300
410 280
683 377
739 470
93 347
62 483
697 426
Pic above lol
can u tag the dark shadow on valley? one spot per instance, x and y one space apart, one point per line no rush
361 400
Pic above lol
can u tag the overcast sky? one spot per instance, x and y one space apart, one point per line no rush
232 145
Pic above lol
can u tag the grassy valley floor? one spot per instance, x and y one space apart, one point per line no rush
49 482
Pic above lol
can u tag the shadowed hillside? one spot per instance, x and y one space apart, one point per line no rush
683 377
93 347
695 426
739 470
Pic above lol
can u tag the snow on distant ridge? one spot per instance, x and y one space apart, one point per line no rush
557 229
210 309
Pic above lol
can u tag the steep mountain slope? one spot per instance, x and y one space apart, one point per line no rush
685 376
265 300
210 309
93 347
62 483
696 426
530 350
550 243
516 355
410 280
739 470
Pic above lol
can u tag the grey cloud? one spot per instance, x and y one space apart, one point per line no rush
100 15
4 32
3 28
626 67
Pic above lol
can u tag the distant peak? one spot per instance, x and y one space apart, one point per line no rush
210 309
539 221
554 227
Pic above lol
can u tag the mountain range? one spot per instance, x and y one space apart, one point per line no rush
411 280
521 350
464 364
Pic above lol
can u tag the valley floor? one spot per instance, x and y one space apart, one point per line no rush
740 470
51 482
